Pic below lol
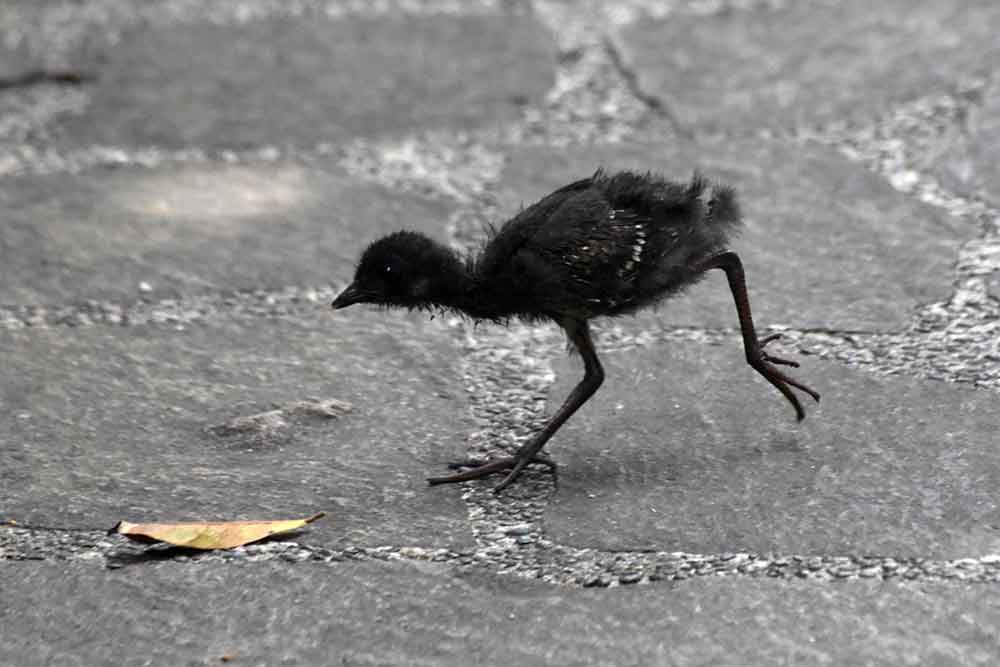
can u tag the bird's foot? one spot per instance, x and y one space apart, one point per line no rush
766 357
478 468
765 364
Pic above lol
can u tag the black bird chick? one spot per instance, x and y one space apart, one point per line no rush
605 245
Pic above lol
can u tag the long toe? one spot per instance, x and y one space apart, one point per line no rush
476 470
766 364
467 463
480 469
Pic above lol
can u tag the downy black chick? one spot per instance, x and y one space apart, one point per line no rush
602 246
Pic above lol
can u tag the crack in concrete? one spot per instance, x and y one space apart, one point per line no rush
631 78
590 100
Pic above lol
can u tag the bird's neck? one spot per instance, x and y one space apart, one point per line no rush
446 283
452 282
453 289
460 290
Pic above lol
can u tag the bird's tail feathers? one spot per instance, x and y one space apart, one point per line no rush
723 209
719 210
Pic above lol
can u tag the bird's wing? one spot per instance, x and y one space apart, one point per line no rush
601 256
590 235
586 248
520 230
582 184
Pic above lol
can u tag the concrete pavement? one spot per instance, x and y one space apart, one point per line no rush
174 229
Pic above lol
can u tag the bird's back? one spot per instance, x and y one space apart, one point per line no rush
605 245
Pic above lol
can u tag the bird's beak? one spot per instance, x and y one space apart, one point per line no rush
349 296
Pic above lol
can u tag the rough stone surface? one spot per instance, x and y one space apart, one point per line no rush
122 423
404 615
968 157
304 82
686 449
859 277
808 63
191 229
173 230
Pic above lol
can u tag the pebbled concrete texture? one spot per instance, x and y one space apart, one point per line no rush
176 220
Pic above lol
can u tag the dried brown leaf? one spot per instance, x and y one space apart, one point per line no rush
214 535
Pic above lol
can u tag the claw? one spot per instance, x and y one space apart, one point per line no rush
468 463
779 360
765 364
770 338
764 342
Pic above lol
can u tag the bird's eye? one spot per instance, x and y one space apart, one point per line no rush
388 268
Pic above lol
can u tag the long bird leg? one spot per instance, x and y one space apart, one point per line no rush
757 357
593 376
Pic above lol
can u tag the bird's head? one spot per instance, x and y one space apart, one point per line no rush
404 269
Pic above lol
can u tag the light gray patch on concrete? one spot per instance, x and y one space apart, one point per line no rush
808 63
133 234
103 424
967 160
826 243
351 613
304 80
685 448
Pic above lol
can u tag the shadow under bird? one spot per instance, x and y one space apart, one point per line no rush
603 246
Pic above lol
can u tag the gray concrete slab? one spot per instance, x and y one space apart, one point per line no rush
685 448
807 64
22 44
966 159
102 424
192 228
14 62
303 81
826 243
107 422
393 614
